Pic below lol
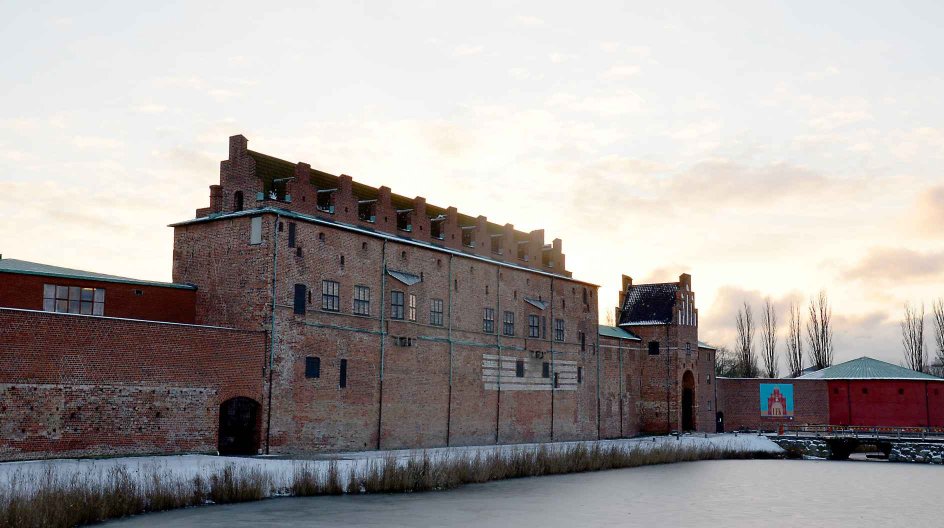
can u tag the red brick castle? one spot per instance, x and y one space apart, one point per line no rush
310 312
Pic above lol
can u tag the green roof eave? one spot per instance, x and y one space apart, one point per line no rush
616 332
118 280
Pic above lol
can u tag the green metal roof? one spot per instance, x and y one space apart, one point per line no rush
868 368
619 333
24 267
702 344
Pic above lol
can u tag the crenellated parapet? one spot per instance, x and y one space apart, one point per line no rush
250 180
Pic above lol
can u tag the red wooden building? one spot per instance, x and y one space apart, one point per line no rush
869 392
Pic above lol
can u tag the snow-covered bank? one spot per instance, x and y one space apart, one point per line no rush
282 470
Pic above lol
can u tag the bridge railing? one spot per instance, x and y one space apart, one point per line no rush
859 431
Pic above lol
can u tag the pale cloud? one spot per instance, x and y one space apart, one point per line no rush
607 104
524 74
468 50
927 218
150 109
221 94
621 72
892 265
530 21
825 73
558 57
96 142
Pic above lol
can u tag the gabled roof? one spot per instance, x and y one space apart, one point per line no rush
868 368
619 333
24 267
649 304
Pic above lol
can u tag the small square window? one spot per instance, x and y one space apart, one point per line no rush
653 348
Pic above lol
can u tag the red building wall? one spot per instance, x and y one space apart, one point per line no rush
126 300
76 385
891 403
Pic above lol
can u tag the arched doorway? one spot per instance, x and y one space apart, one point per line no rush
688 401
239 426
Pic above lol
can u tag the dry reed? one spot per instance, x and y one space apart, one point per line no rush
51 500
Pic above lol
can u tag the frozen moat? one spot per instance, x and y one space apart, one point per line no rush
730 493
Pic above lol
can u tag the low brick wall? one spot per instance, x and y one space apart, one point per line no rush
739 401
76 385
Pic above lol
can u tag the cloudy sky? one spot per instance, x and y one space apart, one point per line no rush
767 148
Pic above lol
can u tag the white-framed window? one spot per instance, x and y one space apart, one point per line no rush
73 299
361 300
412 306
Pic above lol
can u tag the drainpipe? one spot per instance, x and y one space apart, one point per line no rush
619 382
553 388
275 268
596 350
668 384
383 335
500 319
449 334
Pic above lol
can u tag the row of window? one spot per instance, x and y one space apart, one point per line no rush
73 299
313 370
545 371
403 307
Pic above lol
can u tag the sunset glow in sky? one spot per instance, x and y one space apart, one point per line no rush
767 148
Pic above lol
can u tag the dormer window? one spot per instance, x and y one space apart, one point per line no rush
468 236
367 210
497 243
404 222
326 200
436 226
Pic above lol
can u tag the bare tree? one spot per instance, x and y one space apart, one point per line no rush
912 338
769 337
726 363
937 311
747 362
819 333
795 341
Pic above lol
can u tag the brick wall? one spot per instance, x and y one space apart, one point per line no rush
86 386
422 401
133 301
739 400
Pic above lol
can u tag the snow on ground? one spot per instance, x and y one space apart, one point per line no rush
283 468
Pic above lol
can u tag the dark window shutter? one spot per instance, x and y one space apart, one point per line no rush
300 296
312 367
